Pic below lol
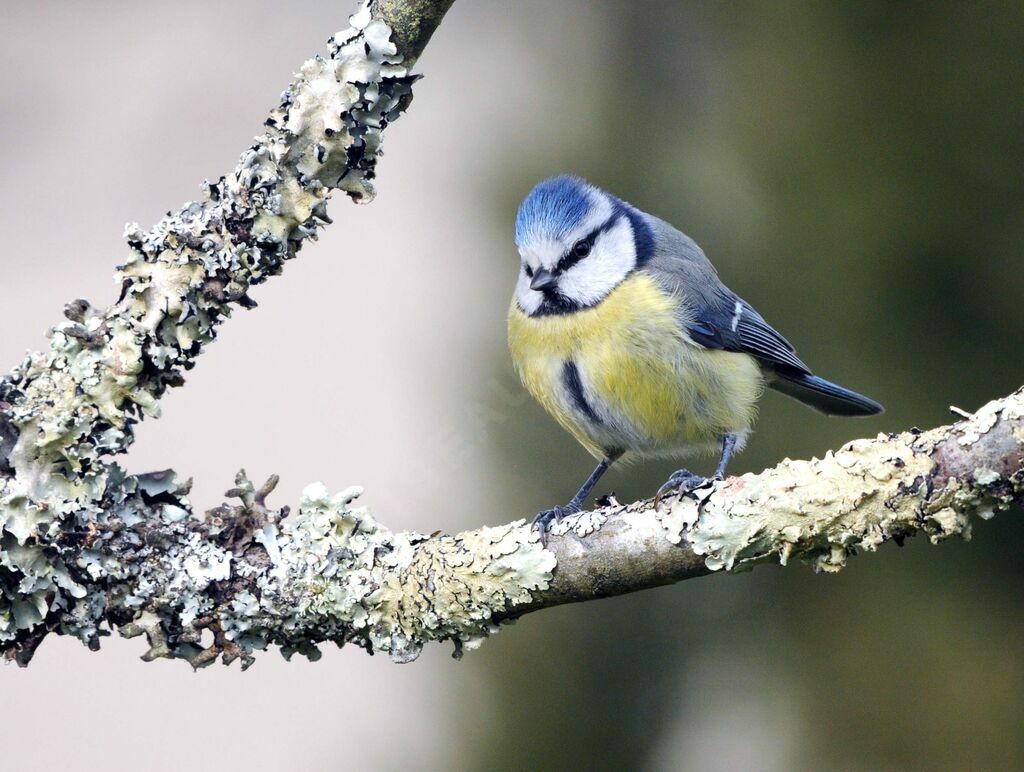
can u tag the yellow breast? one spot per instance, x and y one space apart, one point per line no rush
654 390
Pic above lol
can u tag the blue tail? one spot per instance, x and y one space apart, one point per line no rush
828 397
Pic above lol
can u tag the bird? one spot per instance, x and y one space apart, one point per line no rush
621 329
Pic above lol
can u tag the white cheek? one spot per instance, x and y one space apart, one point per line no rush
529 300
595 276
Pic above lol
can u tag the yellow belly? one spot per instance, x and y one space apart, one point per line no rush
654 390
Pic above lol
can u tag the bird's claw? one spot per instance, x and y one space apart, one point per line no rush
682 482
542 519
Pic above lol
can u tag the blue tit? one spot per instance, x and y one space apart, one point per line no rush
622 330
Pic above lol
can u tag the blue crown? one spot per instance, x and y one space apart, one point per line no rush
553 208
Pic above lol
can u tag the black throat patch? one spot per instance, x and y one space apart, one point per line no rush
556 303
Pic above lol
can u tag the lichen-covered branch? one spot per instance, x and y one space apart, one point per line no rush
86 548
822 511
412 23
255 576
65 411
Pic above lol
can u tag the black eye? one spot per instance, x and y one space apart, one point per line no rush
581 248
529 271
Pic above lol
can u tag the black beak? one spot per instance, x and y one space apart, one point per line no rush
543 280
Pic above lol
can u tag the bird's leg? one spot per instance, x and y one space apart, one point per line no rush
728 448
684 481
542 519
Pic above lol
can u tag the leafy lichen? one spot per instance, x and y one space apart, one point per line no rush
72 407
336 574
854 499
85 546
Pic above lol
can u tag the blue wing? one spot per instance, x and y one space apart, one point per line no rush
717 318
734 325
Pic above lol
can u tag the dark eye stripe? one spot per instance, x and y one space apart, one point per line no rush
570 258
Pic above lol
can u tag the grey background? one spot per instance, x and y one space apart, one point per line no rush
854 171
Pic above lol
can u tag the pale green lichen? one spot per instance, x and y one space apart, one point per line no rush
828 517
346 577
84 545
581 524
854 499
64 411
328 573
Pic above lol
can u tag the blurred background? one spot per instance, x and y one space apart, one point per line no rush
854 170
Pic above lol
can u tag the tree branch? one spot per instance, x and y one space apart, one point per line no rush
412 23
86 548
64 412
823 511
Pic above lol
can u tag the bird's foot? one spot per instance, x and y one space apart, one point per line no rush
682 482
543 519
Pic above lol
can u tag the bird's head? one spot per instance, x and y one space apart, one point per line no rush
576 244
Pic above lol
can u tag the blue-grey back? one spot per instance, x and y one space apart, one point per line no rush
711 313
681 267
